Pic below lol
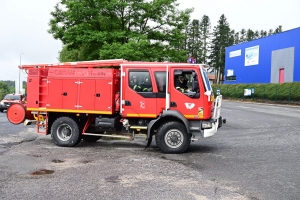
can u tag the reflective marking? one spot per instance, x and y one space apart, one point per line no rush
140 115
70 111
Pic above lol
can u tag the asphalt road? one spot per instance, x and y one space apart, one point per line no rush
254 156
256 152
12 134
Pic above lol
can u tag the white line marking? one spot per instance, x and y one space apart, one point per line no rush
243 107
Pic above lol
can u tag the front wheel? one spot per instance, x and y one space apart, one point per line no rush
1 110
65 132
172 137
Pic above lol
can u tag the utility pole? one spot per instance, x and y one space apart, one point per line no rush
20 72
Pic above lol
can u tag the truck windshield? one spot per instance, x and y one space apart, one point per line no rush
12 97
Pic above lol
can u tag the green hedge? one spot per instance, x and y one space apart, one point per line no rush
280 93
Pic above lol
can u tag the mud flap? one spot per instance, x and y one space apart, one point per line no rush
149 134
149 142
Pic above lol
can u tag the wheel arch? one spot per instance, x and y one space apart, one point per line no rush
52 116
166 116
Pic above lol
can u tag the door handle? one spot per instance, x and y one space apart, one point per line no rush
173 104
127 103
65 94
97 95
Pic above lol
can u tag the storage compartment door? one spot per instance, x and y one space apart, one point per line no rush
87 94
33 85
104 97
70 94
54 99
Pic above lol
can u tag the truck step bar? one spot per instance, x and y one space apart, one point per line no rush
130 137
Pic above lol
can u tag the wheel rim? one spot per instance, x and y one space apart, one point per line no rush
174 138
64 132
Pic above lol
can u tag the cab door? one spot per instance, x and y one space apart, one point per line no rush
139 101
190 101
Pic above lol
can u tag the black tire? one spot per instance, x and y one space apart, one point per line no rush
172 137
65 132
1 110
91 138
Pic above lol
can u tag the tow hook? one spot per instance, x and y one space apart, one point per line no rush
221 122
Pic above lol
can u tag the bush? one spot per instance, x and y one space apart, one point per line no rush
281 93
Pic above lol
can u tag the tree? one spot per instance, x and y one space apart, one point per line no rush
236 38
278 29
102 29
205 29
243 37
270 32
194 42
222 37
256 34
263 33
3 89
249 35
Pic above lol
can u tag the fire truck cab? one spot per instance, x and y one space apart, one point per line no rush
172 102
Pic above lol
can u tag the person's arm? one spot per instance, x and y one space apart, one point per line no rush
178 86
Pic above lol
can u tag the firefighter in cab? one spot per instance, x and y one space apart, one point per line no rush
146 85
134 84
181 84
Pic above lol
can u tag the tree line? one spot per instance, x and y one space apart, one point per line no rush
143 30
6 87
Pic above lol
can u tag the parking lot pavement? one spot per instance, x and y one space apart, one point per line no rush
38 169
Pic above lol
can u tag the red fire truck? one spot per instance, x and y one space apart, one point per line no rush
87 100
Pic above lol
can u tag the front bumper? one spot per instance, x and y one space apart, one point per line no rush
215 125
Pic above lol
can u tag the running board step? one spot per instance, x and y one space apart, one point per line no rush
106 135
130 137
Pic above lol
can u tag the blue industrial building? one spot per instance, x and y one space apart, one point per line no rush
272 59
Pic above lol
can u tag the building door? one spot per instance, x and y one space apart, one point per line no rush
281 75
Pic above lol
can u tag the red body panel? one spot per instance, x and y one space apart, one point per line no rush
55 97
71 89
70 93
86 101
139 105
37 87
104 97
92 90
191 108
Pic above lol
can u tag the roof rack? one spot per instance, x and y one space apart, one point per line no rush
79 64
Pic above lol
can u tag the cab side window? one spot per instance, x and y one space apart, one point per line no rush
186 82
160 78
140 81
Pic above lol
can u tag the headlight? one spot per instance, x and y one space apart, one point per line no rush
206 125
2 103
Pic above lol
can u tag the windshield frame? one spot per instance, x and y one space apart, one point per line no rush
205 78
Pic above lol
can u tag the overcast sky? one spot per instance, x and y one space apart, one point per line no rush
24 25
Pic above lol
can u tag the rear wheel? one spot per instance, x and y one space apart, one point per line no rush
65 132
172 137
